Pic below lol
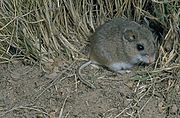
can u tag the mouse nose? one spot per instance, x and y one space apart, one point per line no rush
151 58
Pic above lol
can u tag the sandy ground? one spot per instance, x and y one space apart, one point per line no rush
28 92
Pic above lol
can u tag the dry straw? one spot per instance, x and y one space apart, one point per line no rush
43 30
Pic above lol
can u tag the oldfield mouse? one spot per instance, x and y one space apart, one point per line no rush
119 44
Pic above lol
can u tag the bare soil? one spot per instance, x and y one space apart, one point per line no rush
28 92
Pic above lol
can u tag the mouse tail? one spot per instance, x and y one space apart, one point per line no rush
80 75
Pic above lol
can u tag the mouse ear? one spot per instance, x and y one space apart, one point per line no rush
129 35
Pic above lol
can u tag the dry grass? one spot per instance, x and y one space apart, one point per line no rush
45 30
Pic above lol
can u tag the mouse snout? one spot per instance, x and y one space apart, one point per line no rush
147 58
151 58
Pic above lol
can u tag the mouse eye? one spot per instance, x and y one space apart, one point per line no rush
140 47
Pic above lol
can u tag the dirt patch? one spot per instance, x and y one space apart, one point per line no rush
28 92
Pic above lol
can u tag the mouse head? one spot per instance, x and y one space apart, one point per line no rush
139 45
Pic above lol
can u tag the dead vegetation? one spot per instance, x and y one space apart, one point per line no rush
49 33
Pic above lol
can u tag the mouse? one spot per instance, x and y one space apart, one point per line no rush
119 45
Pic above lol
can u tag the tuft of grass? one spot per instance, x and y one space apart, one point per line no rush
44 30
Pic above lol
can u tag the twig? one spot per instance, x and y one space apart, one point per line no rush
62 109
52 83
23 107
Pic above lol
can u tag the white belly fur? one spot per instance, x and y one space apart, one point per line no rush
120 66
